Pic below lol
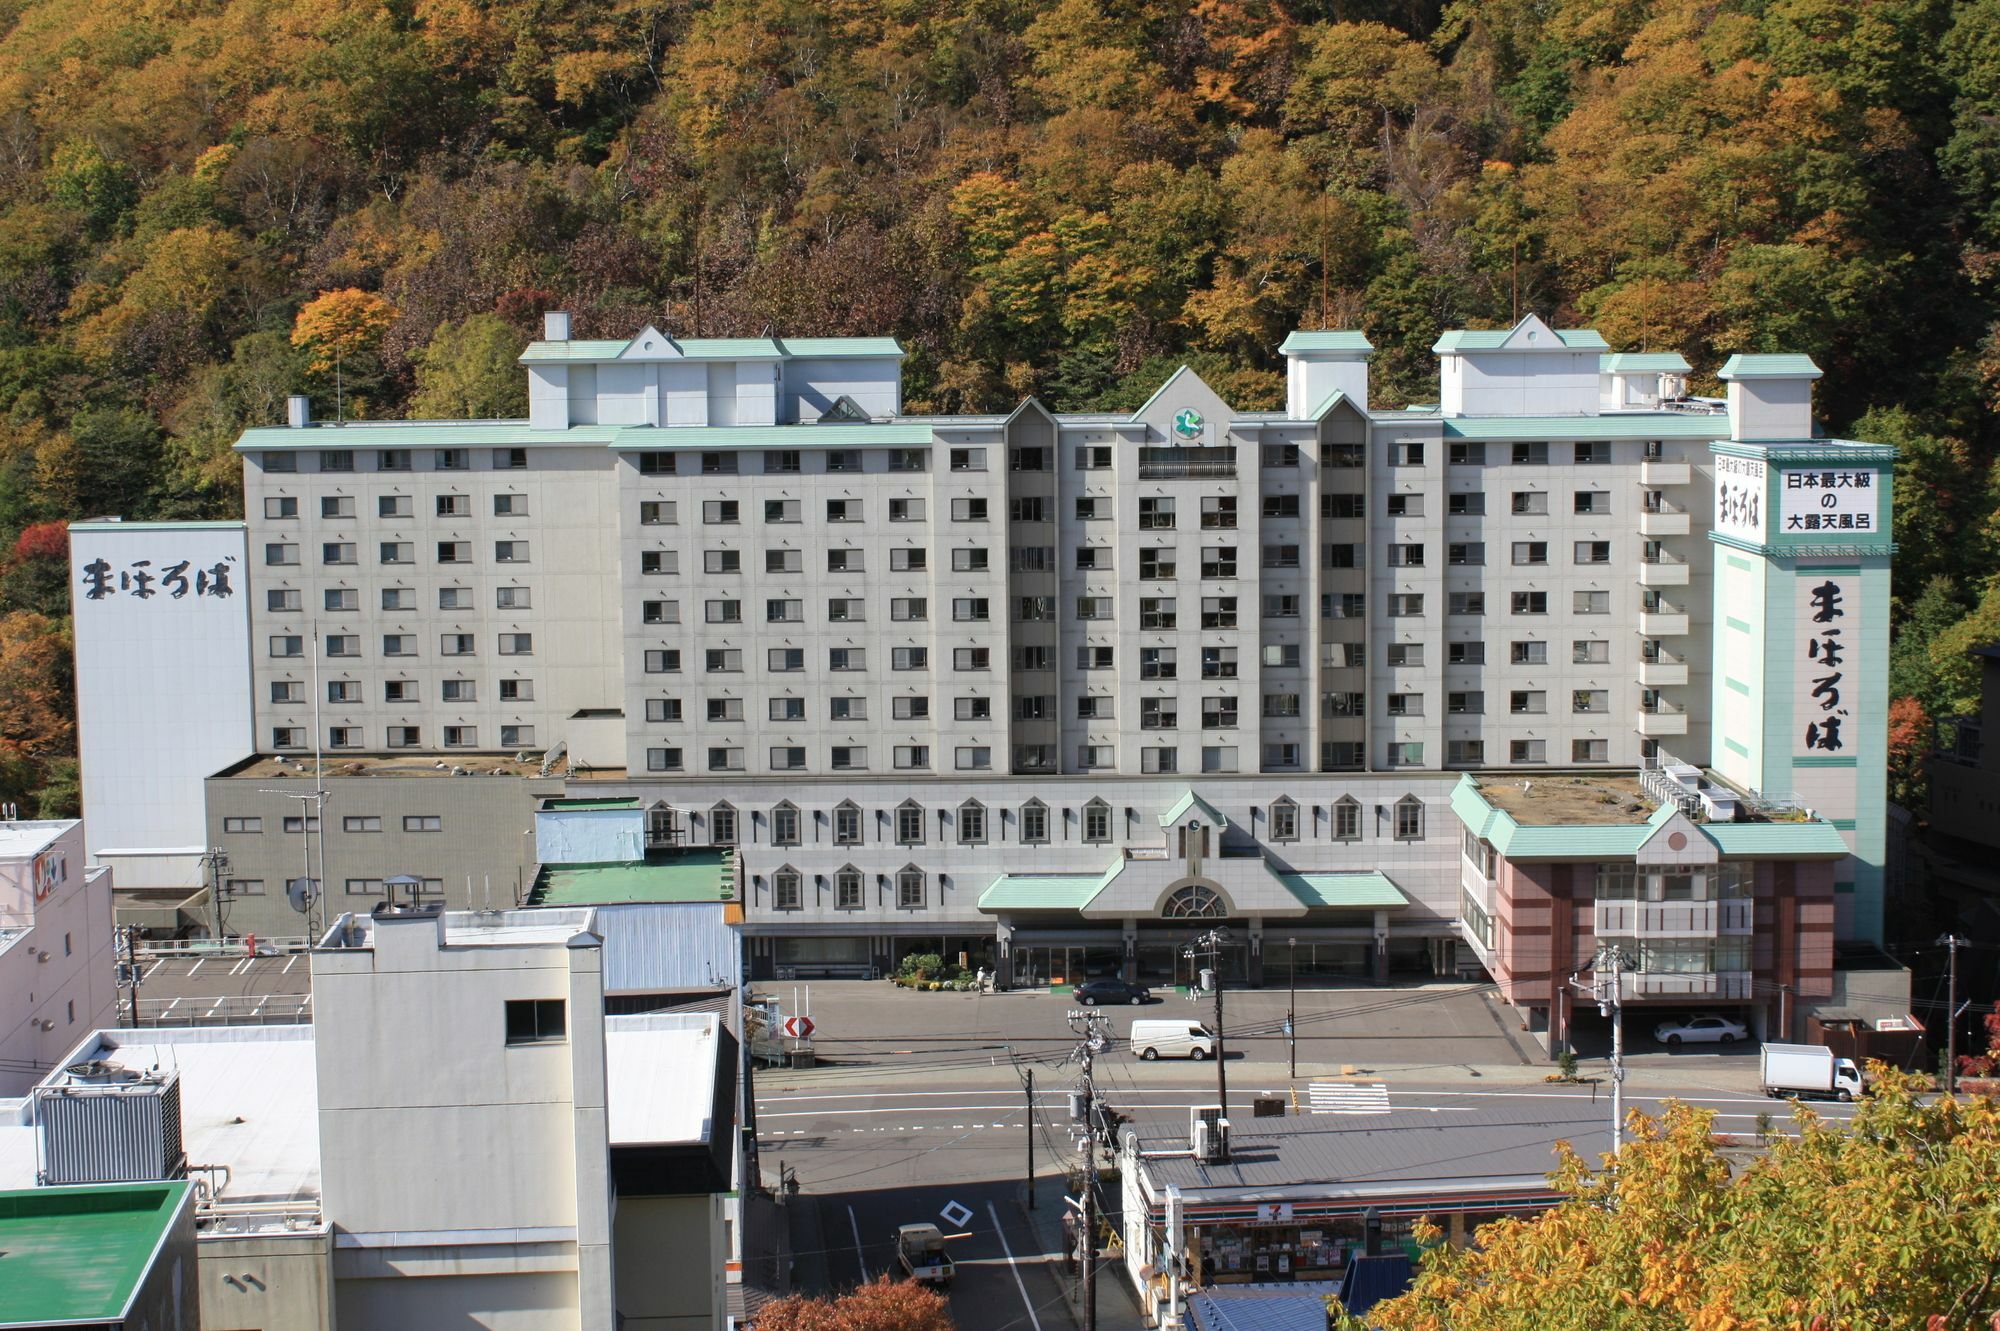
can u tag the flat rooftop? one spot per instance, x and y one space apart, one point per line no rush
669 877
659 1071
80 1254
467 928
269 767
29 836
1555 800
1404 1152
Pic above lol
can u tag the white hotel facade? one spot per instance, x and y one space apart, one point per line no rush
1032 686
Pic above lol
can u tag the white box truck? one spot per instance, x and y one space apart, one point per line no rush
1809 1071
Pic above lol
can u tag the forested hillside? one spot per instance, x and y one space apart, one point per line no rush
1057 197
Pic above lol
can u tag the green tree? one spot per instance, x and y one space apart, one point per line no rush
1954 674
469 371
81 178
1911 674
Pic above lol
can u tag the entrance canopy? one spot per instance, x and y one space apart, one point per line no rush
1248 887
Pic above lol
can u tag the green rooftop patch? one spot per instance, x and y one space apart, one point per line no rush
668 877
79 1254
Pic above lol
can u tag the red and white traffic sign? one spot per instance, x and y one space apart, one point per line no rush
799 1028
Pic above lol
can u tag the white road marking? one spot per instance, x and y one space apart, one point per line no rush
1338 1097
1013 1266
196 968
865 1277
289 964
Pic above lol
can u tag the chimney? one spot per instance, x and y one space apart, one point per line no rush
555 326
1318 363
298 411
1770 398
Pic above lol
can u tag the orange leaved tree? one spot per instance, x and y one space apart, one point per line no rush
1891 1221
883 1305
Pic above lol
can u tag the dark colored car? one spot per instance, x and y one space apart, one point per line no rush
1092 992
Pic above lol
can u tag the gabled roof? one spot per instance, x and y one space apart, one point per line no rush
1190 800
1161 391
1050 891
1741 366
1644 362
1330 339
1345 891
717 348
1527 335
1330 401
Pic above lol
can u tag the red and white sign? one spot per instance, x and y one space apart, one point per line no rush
799 1028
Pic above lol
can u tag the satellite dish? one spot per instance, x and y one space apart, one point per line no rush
301 893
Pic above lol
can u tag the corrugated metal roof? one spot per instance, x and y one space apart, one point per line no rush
1643 362
1741 366
1057 891
657 948
1618 425
1329 339
1345 891
696 875
1491 339
1777 839
1225 1309
1190 800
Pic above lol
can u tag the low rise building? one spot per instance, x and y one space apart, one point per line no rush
57 948
117 1257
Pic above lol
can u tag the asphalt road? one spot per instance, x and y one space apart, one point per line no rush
229 986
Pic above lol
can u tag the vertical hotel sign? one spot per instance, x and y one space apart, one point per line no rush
1825 673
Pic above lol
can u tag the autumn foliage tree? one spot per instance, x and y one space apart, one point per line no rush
338 327
881 1305
1890 1221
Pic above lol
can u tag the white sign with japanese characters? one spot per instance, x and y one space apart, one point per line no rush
1819 501
1739 497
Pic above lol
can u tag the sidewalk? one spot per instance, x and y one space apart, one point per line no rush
1117 1308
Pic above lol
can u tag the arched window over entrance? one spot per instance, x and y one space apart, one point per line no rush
1194 902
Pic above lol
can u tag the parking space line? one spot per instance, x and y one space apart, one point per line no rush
194 969
289 964
1015 1267
858 1255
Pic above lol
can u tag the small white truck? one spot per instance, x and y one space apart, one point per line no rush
920 1252
1808 1071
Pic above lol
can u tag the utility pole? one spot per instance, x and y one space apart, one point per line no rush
1951 943
1090 1030
131 932
1604 989
1208 947
1292 1008
217 860
1784 1012
1031 1137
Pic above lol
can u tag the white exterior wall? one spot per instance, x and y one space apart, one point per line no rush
1310 377
1519 383
812 384
57 949
1771 409
162 680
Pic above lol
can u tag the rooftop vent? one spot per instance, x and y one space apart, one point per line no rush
103 1123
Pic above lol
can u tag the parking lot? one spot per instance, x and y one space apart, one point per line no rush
226 987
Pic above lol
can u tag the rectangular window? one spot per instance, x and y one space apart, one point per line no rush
454 552
457 644
843 459
458 690
523 690
1406 704
786 758
909 459
1593 552
461 737
1589 750
663 711
843 510
1281 606
663 760
1408 454
510 552
1467 455
510 459
846 610
784 561
1527 702
1590 603
785 660
972 709
1406 605
909 658
454 506
909 561
1466 505
1590 700
1529 603
1464 752
405 737
968 510
1531 552
724 759
783 461
972 758
399 690
846 658
1280 455
1466 552
1530 502
1093 457
908 608
337 552
971 658
720 512
452 459
783 510
906 510
1467 603
1465 653
968 608
658 513
1467 702
537 1020
1406 555
342 598
1218 612
1528 653
967 459
1531 455
722 611
1593 501
1596 453
517 644
1590 651
1218 758
1218 512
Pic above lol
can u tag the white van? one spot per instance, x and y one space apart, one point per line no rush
1172 1039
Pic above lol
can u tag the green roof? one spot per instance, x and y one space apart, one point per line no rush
1331 339
80 1254
1644 362
722 348
1345 891
668 878
1613 841
1048 891
588 806
517 434
1619 425
1741 366
1492 339
1190 800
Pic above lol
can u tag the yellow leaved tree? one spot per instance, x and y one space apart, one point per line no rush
336 326
1891 1221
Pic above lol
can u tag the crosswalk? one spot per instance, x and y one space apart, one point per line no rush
1344 1097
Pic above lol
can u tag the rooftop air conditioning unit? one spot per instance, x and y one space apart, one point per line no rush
1208 1133
102 1123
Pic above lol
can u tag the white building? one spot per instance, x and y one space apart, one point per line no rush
57 948
936 679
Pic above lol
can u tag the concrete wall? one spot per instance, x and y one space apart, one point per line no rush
529 1301
273 1282
59 973
665 1280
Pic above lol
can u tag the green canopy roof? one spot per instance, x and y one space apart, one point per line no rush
1328 339
1055 891
1741 366
1345 891
671 878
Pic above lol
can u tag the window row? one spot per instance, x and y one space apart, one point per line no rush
793 461
1471 454
347 646
395 459
403 737
335 507
290 600
1583 651
341 554
412 822
403 690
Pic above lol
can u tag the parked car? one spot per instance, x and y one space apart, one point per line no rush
1092 992
1707 1026
1172 1039
1808 1071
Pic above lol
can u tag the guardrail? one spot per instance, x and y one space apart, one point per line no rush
230 1010
160 948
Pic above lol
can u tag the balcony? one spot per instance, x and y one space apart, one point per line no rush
1665 622
1662 718
1165 464
1662 518
1656 472
1663 570
1674 919
1713 985
1661 669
